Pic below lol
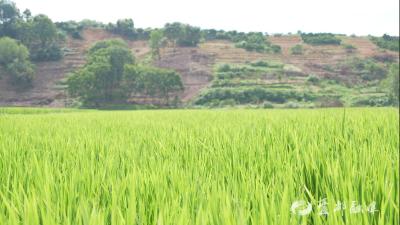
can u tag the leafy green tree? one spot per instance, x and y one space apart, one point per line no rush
124 27
210 34
182 34
190 36
156 41
45 30
100 80
9 15
27 15
44 43
14 58
22 73
173 31
11 50
152 81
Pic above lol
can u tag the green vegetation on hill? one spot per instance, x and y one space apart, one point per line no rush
245 84
182 35
74 29
387 42
252 41
14 59
23 38
360 82
198 166
110 76
38 33
256 42
297 50
320 39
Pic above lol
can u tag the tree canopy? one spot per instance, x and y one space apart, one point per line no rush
38 33
156 41
14 58
182 34
110 76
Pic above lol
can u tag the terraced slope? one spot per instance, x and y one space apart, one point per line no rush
47 90
194 64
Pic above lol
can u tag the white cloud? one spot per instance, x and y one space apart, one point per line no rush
361 17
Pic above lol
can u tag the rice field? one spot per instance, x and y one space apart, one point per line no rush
184 167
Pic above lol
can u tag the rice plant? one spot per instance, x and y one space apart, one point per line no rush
233 167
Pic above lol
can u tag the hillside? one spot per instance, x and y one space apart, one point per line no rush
196 66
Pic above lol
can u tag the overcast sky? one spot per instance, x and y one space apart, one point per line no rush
359 17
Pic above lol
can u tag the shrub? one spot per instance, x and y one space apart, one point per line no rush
259 63
276 49
224 68
313 79
320 39
22 73
349 48
246 95
387 42
375 101
49 53
267 105
296 50
72 28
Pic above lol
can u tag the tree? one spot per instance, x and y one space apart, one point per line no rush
157 40
41 36
9 14
182 34
173 31
99 81
14 58
124 27
210 34
11 50
190 36
45 30
152 81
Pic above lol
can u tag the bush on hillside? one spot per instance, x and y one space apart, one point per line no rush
247 95
259 63
349 48
320 39
387 42
296 50
14 58
313 79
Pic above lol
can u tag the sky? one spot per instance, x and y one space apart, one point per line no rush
360 17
